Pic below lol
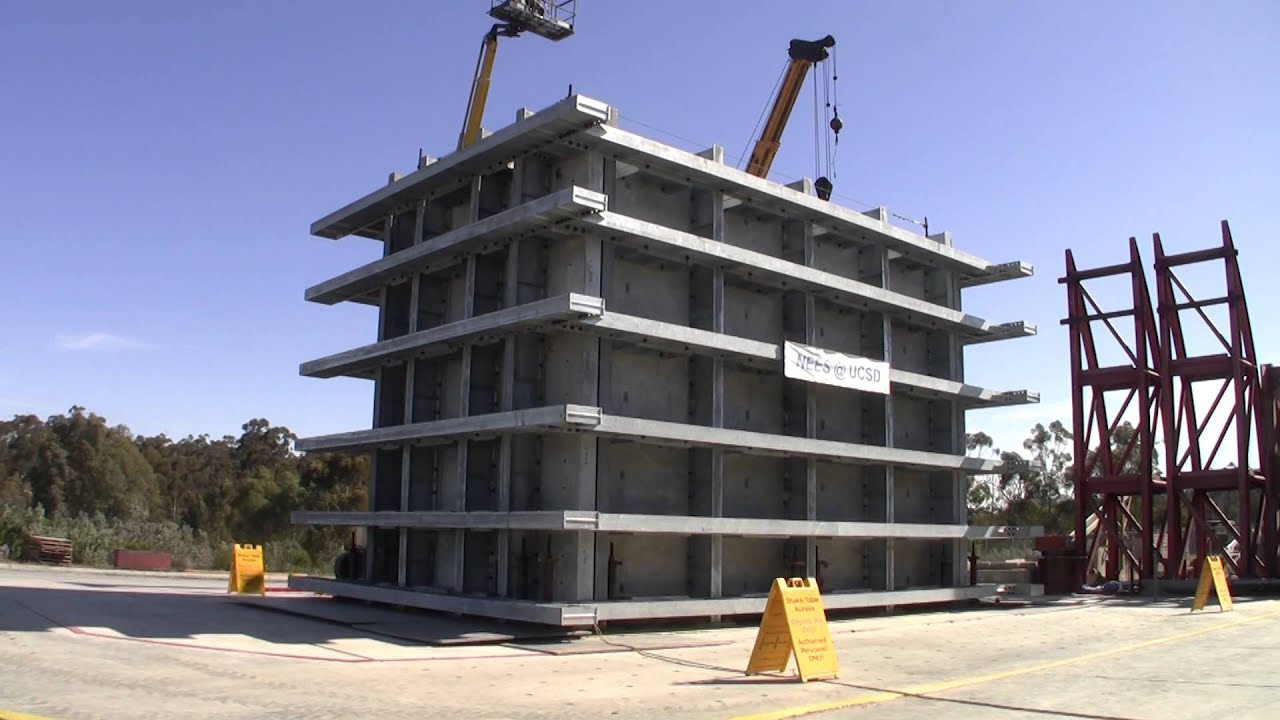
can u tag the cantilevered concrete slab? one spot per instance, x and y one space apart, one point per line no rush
444 339
454 246
578 418
584 313
574 520
776 272
684 166
588 614
1003 331
456 169
555 417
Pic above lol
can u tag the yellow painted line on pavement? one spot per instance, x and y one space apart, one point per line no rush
884 696
15 715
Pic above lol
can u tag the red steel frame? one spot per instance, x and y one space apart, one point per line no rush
1270 446
1202 477
1202 484
1103 488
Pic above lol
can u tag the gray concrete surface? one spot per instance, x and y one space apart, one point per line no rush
77 644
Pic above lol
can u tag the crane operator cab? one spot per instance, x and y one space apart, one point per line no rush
545 18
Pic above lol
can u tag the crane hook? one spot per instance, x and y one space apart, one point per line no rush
836 124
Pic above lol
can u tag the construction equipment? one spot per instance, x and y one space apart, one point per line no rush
804 54
544 18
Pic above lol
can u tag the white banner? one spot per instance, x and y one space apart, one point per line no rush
812 364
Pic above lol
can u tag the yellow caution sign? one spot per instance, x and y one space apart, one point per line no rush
247 574
1211 572
794 622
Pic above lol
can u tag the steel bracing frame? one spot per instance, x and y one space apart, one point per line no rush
1270 446
1215 490
1107 482
1213 461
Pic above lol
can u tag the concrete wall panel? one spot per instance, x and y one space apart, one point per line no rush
647 385
572 365
754 487
645 566
753 400
752 564
654 200
480 573
842 564
851 492
568 472
654 289
755 314
644 479
753 231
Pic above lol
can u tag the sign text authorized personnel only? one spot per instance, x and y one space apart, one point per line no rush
812 364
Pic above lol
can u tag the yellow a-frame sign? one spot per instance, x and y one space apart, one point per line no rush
1211 572
247 574
794 622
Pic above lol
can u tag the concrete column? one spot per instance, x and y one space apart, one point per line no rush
810 408
959 481
370 546
451 550
506 402
406 478
573 375
715 218
889 489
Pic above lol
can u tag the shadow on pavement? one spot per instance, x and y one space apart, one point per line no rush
168 616
159 616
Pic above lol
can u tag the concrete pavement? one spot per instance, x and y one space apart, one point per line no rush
79 645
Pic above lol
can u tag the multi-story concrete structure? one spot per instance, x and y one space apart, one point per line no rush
581 411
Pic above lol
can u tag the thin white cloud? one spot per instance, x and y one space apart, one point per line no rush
97 342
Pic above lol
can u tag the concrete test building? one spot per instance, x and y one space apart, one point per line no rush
582 411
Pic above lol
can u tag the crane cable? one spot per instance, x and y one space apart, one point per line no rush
835 123
824 148
817 133
746 151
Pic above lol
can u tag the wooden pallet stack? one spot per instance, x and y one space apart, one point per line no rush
49 550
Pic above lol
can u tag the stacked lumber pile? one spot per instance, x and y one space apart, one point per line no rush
49 550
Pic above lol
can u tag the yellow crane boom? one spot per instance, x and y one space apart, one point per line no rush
480 83
804 54
550 19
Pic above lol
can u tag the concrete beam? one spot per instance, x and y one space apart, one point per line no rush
587 614
587 314
650 609
445 431
454 246
758 443
999 272
682 166
768 270
579 418
680 339
456 169
520 610
587 520
1004 331
444 339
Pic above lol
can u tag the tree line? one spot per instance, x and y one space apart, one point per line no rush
1037 486
78 475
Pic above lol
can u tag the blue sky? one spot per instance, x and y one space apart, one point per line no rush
160 164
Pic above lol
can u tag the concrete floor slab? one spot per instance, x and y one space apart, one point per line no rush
425 628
